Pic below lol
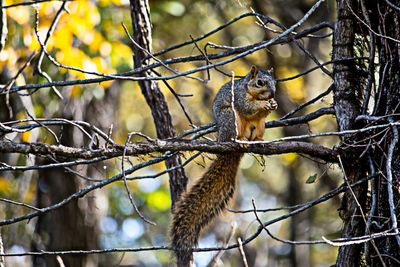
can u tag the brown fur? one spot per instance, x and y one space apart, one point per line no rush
205 200
211 194
251 128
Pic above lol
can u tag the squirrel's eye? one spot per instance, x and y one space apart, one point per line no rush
260 83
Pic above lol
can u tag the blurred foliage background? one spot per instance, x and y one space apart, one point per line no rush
90 36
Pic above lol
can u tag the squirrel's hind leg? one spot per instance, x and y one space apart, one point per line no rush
225 124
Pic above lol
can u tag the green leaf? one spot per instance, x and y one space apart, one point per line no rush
311 179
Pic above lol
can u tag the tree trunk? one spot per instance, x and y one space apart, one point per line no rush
387 99
347 108
75 226
363 21
141 24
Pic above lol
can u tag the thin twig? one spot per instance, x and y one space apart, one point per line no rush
135 207
360 209
3 26
41 122
7 88
51 165
19 204
2 261
83 192
43 45
242 254
317 67
373 205
393 5
369 27
306 136
244 52
312 101
205 57
216 258
371 67
33 3
389 175
176 95
301 119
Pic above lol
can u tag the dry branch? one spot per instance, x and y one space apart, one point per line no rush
142 148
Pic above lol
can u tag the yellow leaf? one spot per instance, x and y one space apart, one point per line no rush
19 14
106 84
5 186
63 38
34 45
104 2
159 200
289 158
20 115
294 88
73 57
76 91
95 42
120 53
25 136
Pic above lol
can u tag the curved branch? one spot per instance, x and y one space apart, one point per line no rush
240 52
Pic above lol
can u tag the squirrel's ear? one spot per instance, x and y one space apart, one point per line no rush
253 72
271 70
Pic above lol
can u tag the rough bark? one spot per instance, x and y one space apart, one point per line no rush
387 101
347 107
380 20
140 148
141 25
71 227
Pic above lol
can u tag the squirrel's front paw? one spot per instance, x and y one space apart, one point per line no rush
271 104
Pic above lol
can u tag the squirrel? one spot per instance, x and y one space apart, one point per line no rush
238 116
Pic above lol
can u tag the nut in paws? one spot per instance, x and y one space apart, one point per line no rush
271 104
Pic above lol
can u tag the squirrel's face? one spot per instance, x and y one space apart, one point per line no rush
261 84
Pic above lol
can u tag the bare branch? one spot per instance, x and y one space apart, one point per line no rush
83 192
19 204
3 25
392 5
315 99
302 119
389 175
135 207
303 207
242 254
244 51
52 27
141 148
34 3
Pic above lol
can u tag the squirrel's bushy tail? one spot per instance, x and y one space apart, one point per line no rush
205 200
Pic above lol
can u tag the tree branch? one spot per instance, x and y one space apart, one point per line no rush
159 146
